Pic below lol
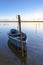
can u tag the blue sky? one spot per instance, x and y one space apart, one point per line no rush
28 9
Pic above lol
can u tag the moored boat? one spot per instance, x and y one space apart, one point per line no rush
14 37
17 37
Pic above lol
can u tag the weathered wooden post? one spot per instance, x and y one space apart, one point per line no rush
19 20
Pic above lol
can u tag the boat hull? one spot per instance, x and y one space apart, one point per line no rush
14 40
17 43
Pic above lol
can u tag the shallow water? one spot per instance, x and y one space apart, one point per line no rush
34 56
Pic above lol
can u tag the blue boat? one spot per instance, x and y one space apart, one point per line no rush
17 37
14 37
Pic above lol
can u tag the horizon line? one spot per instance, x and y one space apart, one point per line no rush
23 21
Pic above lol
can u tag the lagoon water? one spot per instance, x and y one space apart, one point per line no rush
34 32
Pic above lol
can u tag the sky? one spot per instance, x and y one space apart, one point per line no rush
28 9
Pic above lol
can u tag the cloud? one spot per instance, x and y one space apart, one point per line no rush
25 17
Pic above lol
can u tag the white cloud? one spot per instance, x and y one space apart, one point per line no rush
32 16
26 16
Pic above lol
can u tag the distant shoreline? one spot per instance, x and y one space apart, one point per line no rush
21 21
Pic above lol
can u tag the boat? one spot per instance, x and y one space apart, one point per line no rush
17 37
17 53
14 37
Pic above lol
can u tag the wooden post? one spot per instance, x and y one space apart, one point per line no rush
20 34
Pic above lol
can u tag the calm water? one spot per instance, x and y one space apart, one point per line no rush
8 54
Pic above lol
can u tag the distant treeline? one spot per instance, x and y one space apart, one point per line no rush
21 21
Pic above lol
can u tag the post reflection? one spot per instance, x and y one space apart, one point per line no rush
37 27
17 52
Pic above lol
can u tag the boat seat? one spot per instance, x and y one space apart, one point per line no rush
23 39
19 37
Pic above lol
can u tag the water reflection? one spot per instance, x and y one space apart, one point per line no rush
17 52
37 27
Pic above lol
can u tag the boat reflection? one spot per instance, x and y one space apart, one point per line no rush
17 52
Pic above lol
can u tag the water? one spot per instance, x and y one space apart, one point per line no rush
8 54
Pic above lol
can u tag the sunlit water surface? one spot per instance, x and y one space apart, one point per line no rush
34 32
